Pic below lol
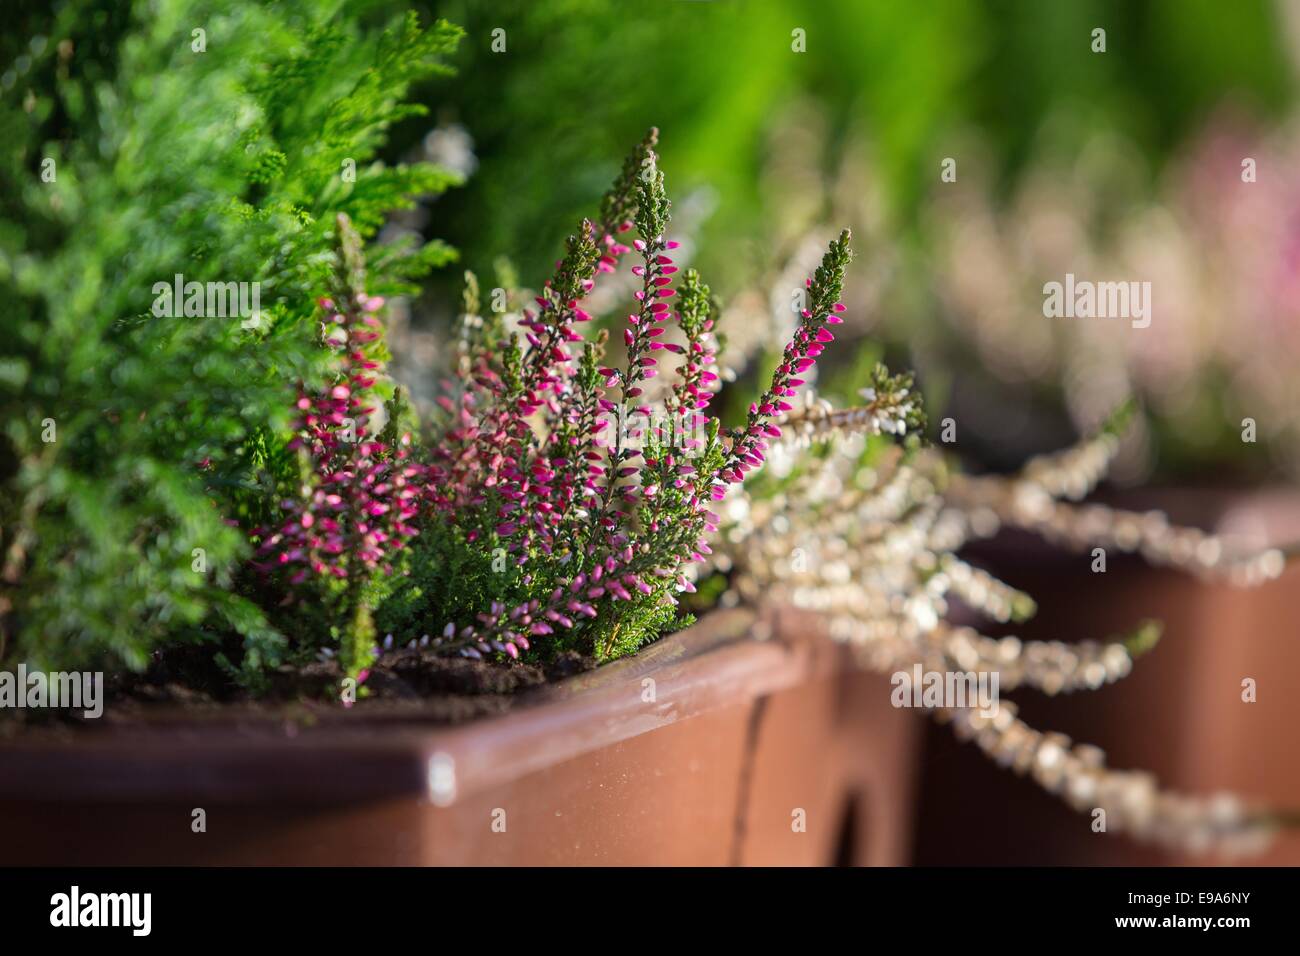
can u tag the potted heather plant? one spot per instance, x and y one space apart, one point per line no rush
376 530
471 639
524 522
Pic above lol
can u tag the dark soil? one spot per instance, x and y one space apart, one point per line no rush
405 683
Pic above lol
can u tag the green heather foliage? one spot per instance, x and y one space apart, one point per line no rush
135 148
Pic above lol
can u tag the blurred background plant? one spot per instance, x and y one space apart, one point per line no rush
1221 256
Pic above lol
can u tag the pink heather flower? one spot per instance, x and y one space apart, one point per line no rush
362 494
529 460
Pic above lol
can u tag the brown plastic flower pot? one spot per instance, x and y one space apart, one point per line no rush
709 747
1179 714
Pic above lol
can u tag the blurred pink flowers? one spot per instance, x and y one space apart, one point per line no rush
1219 241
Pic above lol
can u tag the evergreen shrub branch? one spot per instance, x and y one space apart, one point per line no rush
132 444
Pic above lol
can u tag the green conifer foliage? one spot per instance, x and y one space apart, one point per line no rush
218 141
